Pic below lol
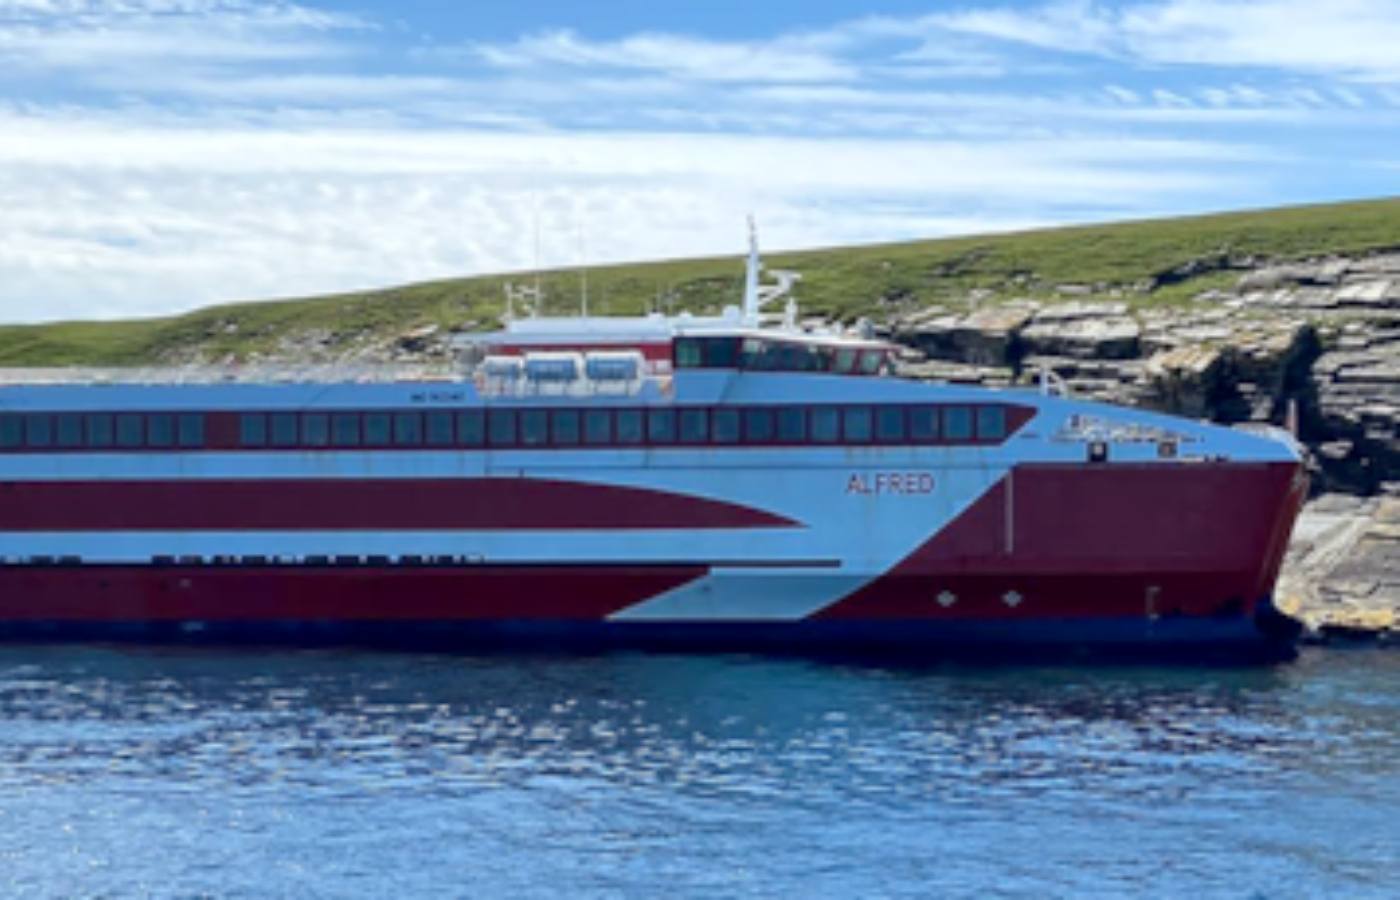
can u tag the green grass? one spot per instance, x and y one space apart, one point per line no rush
878 281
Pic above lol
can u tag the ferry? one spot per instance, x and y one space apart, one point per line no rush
654 482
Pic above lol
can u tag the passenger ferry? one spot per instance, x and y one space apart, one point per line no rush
652 482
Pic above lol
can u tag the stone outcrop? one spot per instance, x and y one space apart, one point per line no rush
1342 574
1323 335
1083 331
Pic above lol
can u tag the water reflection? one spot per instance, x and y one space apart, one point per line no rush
589 754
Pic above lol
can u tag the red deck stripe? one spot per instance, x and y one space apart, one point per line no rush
465 504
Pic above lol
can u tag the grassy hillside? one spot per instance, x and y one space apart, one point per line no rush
1157 261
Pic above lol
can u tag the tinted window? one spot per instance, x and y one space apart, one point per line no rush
565 426
284 429
792 424
845 360
316 430
629 426
69 431
661 426
377 429
471 428
694 426
597 426
11 431
687 353
957 423
923 423
758 425
38 431
345 429
889 423
720 353
131 431
190 428
160 430
408 429
534 427
870 361
439 428
857 424
99 430
826 425
991 423
726 426
502 427
252 430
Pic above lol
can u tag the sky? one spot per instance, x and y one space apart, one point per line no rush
159 155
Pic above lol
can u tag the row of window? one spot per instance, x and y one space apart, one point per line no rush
515 427
102 430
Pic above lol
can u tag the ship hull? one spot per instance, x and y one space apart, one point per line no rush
477 608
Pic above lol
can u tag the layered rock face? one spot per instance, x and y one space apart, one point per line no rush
1324 335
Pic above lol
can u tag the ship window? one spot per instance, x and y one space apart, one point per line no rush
534 427
439 428
315 429
564 425
758 425
597 426
345 429
694 426
720 353
11 431
502 427
957 423
160 430
870 361
687 353
191 430
889 424
661 426
629 426
923 423
252 430
131 430
38 431
99 430
857 424
471 427
408 429
845 360
284 429
792 424
70 431
726 426
826 425
377 429
991 423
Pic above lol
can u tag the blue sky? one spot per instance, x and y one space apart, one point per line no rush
157 155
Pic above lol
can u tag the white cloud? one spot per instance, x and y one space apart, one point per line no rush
778 60
1349 38
105 219
107 37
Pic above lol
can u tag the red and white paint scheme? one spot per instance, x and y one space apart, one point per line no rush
756 487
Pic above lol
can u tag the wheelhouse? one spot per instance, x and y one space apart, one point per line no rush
782 352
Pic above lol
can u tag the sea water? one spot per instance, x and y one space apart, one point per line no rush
127 772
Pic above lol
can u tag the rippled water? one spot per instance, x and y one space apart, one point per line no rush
148 772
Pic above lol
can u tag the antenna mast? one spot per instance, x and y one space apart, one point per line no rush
751 271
